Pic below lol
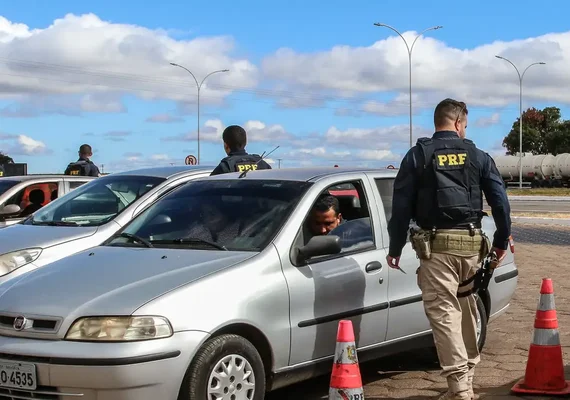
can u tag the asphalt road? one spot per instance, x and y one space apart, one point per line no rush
540 252
542 206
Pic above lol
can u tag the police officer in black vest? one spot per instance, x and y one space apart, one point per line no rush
440 185
83 166
238 160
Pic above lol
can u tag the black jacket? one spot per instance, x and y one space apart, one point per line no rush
405 197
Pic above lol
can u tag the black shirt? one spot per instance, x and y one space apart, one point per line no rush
228 164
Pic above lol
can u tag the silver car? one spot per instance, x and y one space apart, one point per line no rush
86 217
23 195
219 290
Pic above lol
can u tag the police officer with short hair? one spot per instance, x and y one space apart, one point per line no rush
83 166
238 160
440 185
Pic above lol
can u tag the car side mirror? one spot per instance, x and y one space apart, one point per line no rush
9 211
319 246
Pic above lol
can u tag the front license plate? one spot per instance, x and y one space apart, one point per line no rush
18 375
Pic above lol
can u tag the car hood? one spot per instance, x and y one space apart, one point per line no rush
109 280
18 236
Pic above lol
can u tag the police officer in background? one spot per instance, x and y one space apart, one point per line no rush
238 160
440 185
83 166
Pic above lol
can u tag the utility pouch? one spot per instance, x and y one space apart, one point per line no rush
485 247
421 243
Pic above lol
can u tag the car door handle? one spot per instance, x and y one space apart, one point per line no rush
373 266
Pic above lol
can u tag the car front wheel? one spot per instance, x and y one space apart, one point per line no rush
481 318
227 367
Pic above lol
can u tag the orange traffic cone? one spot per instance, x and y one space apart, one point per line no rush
545 367
346 382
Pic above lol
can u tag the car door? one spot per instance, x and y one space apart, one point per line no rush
406 316
21 197
350 285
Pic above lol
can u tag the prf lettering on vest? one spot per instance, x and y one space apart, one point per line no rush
74 172
451 159
246 167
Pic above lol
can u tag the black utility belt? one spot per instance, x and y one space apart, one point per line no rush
456 228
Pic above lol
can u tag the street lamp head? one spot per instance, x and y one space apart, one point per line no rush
174 64
499 57
438 27
225 70
542 63
379 24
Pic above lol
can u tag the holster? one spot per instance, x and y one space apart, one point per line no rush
421 243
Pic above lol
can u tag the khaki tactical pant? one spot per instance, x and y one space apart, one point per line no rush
452 319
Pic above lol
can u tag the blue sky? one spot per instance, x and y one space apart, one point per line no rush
99 74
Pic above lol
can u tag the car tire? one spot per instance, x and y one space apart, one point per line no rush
482 316
231 351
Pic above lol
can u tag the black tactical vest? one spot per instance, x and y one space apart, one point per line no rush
244 162
77 168
449 193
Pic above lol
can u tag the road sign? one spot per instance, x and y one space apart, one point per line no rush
390 167
190 160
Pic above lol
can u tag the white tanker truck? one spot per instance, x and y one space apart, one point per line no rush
540 170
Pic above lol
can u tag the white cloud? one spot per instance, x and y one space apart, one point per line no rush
22 145
257 131
136 160
439 70
84 54
160 157
374 138
490 120
164 118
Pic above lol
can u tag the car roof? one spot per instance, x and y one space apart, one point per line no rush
165 172
305 174
24 178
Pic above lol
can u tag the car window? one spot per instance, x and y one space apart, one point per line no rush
32 197
6 184
239 215
97 202
354 225
386 188
76 184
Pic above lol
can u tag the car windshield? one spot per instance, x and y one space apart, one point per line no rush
238 215
6 184
96 202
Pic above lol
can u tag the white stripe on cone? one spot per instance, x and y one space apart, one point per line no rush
346 394
546 337
345 353
546 302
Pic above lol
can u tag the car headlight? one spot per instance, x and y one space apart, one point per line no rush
119 329
17 259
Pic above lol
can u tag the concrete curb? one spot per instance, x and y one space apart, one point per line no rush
539 198
542 221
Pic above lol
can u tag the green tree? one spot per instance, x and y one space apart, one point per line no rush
544 131
5 159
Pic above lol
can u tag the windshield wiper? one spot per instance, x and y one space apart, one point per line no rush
54 223
135 238
190 240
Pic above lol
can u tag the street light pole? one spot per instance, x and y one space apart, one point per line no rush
410 49
521 76
199 87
